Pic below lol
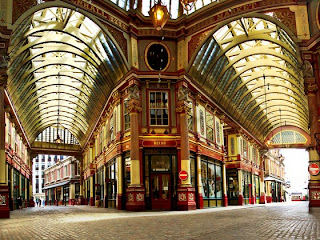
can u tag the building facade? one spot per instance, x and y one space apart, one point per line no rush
177 118
62 182
18 164
274 176
40 163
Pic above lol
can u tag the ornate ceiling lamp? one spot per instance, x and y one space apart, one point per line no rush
188 4
58 139
159 15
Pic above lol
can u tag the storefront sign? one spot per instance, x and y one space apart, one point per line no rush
313 169
159 143
183 175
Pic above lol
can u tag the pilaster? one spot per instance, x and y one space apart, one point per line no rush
186 193
136 191
4 189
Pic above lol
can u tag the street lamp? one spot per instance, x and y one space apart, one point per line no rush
159 15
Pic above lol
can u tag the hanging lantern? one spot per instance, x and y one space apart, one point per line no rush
159 15
188 4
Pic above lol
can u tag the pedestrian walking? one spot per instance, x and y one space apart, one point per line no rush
19 200
37 202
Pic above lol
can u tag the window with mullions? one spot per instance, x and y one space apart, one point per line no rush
159 112
211 177
210 126
111 178
126 114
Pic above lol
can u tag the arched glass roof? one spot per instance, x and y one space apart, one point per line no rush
251 67
62 69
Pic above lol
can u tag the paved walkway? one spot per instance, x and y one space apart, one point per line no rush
272 221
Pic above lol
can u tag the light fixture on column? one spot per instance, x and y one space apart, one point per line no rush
58 139
159 15
188 4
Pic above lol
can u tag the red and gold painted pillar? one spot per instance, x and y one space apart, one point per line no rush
224 184
311 89
136 192
200 197
185 192
4 189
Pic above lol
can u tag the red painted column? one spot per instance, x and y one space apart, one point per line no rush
185 192
4 189
135 194
311 89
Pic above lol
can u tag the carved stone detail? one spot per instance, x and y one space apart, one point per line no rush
307 69
134 92
182 93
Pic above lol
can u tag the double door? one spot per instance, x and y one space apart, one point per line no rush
161 191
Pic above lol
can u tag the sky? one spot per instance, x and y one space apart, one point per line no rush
296 169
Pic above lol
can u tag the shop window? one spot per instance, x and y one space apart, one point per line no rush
158 107
209 126
126 114
246 185
111 178
211 177
100 182
127 164
193 170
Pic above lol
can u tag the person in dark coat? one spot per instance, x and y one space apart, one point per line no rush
19 200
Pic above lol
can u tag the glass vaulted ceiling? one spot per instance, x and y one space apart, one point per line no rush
250 66
62 68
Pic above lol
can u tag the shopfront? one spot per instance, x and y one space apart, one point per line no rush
232 186
212 184
247 187
160 178
111 181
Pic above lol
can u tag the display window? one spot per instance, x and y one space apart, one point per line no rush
111 180
211 178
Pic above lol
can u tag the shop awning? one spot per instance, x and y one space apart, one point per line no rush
273 179
56 185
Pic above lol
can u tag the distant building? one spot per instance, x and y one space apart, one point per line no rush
40 163
62 182
274 176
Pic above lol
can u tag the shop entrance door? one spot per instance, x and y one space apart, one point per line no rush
160 191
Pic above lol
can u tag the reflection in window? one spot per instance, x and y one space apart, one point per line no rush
211 177
159 112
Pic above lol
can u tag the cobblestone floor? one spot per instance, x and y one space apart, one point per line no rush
272 221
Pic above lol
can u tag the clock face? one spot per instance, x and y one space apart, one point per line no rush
157 57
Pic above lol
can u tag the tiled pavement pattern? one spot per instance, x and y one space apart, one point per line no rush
271 221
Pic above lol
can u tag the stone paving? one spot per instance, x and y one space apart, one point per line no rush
290 220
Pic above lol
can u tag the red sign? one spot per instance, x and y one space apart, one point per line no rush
314 169
183 175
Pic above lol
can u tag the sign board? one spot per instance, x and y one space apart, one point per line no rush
313 169
183 175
